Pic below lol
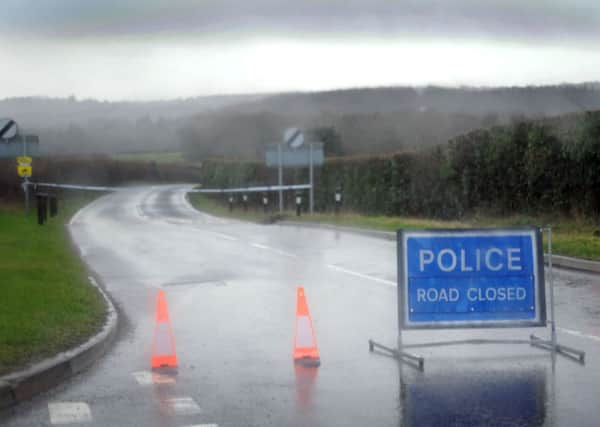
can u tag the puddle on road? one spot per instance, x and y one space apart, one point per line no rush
475 396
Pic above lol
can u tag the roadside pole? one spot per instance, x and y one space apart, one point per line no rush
279 155
26 182
312 189
26 189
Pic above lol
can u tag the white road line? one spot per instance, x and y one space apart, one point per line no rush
69 412
182 406
80 212
579 334
361 275
277 251
145 378
204 425
282 253
225 236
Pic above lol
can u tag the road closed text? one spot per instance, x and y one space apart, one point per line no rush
471 294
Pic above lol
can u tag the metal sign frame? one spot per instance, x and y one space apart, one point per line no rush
538 278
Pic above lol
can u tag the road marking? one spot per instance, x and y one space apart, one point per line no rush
224 236
69 412
204 425
361 275
182 406
579 334
145 378
80 212
277 251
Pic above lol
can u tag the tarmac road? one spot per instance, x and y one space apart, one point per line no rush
231 289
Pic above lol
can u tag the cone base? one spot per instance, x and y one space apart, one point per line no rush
309 362
164 369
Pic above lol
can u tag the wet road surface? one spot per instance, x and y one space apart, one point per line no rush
231 289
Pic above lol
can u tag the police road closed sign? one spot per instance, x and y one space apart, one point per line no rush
471 278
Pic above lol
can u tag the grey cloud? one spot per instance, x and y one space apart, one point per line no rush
568 20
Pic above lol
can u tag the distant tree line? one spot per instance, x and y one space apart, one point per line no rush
366 121
526 167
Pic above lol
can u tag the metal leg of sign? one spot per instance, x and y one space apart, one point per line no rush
401 356
569 352
552 344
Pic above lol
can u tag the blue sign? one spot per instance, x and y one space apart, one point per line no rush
470 278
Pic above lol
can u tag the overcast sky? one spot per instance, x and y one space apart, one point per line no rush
151 49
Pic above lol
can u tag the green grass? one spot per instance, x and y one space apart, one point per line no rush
569 237
159 157
46 301
213 207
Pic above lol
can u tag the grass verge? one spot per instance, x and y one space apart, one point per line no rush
159 157
569 237
47 304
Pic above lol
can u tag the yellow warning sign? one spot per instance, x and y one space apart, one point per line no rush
24 160
24 171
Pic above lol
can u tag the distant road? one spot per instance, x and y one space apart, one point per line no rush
231 290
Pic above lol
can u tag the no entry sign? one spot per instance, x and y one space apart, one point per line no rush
470 278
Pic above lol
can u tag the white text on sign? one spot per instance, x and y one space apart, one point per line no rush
492 259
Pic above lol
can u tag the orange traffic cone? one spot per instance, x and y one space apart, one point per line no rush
163 347
305 343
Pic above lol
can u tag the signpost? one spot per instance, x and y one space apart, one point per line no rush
293 138
307 155
24 170
13 144
473 278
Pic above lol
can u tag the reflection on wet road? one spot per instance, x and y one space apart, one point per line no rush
231 289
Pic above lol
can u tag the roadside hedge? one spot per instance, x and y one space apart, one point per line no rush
529 167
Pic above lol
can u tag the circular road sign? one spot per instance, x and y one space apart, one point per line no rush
8 128
293 137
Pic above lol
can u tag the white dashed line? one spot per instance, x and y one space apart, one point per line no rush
145 378
69 413
362 276
579 334
204 425
282 253
182 406
276 251
225 236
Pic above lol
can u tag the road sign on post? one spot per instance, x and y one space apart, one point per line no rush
471 278
297 158
20 145
8 129
293 137
24 171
